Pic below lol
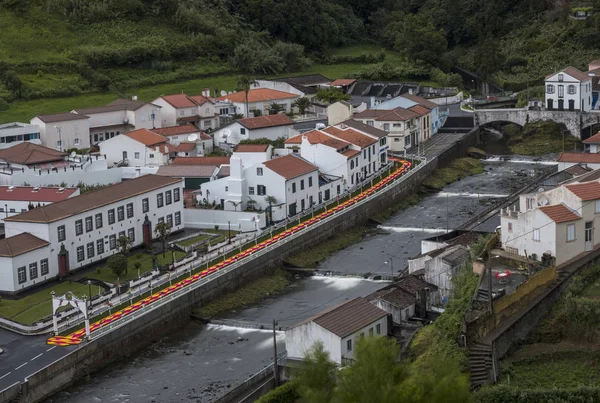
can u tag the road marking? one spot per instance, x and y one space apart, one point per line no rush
51 348
37 356
20 366
7 374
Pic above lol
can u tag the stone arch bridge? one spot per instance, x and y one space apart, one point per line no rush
574 121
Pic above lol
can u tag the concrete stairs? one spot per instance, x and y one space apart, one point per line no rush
18 397
482 296
480 363
560 276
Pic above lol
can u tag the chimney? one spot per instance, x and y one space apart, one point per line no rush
235 167
134 98
206 92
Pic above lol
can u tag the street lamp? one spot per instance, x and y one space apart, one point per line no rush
90 293
172 257
229 232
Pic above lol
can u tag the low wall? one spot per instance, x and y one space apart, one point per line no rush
70 177
240 220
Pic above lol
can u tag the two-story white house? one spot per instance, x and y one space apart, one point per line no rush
17 132
61 237
269 126
137 148
61 131
182 109
259 99
120 116
338 329
184 135
569 89
19 199
402 126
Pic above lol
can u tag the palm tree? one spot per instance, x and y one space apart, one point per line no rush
271 200
302 104
162 230
235 204
245 83
275 108
124 244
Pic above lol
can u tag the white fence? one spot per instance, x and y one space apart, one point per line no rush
136 172
243 221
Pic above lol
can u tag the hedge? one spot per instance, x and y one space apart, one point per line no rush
287 393
508 394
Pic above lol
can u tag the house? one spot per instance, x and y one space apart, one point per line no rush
592 144
569 159
188 134
53 240
338 328
559 223
24 156
402 126
435 120
120 116
339 111
344 83
441 265
19 199
259 99
569 89
182 109
268 126
62 131
374 92
371 131
17 132
137 148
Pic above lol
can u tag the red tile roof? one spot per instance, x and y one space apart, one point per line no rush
420 100
351 136
201 99
587 158
595 139
341 82
182 147
35 194
261 122
350 153
395 115
179 101
29 153
559 213
19 244
318 137
146 137
290 166
201 161
586 191
257 95
573 72
421 110
251 148
176 130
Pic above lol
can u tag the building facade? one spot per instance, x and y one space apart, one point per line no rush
61 131
259 99
19 199
182 109
568 89
270 127
16 132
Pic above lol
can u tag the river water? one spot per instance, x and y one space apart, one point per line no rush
201 362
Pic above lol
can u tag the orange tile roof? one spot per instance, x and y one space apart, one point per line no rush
395 115
146 137
587 158
318 137
595 139
573 72
350 153
201 99
260 122
586 191
176 130
258 95
351 136
201 161
179 101
421 110
290 166
342 82
420 100
251 148
182 147
559 213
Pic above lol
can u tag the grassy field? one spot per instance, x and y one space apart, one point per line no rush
105 274
38 305
249 294
456 170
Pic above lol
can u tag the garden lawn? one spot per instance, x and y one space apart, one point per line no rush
105 274
194 240
38 305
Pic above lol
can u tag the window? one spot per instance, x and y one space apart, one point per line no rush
76 142
120 213
61 233
339 189
151 156
310 181
90 250
111 216
251 190
112 242
227 188
294 187
349 345
121 234
161 219
168 198
129 210
44 267
301 184
352 164
570 232
100 246
170 220
177 218
597 206
33 271
78 227
396 139
370 123
58 144
22 275
550 89
243 131
378 328
182 113
261 190
159 200
131 235
176 195
302 204
386 127
561 91
536 235
571 89
259 172
509 227
98 220
364 154
136 156
371 332
561 77
80 254
406 141
145 205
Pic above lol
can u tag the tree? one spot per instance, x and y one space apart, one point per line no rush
235 204
245 83
162 230
317 376
117 264
419 39
270 200
256 112
275 108
124 244
302 104
332 95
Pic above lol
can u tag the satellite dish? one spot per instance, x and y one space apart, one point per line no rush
542 202
223 93
73 154
192 137
541 190
229 93
225 133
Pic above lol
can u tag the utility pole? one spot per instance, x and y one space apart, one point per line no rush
489 283
447 215
275 365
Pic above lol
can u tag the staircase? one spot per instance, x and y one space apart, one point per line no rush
480 363
483 296
560 276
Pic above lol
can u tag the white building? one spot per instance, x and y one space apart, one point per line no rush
569 159
569 89
120 116
259 99
560 222
188 134
16 132
338 329
58 238
409 101
339 111
592 144
268 126
61 131
19 199
402 126
137 148
181 109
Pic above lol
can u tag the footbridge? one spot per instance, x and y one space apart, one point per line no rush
574 121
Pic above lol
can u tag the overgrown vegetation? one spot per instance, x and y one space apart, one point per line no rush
539 138
456 170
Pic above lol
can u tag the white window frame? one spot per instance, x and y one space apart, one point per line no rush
571 233
536 235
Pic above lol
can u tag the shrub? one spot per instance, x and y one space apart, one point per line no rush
287 393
